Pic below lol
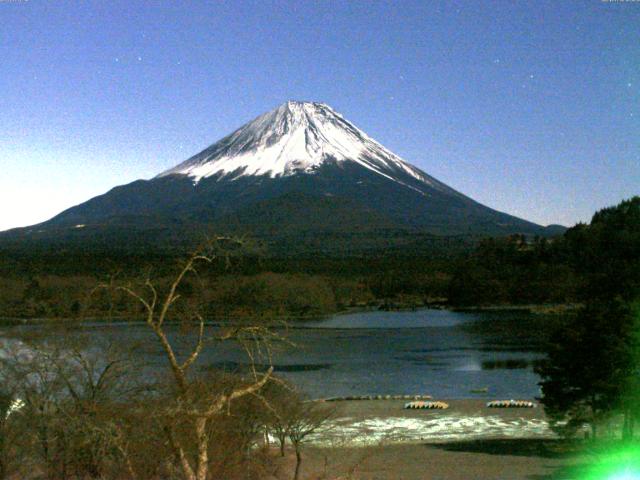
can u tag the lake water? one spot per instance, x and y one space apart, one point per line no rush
437 352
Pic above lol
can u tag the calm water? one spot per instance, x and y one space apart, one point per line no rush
437 352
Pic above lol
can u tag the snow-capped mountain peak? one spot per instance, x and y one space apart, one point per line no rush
297 137
298 178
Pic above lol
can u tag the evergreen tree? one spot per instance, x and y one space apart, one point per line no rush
588 366
593 364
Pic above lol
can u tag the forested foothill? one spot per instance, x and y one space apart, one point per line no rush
53 282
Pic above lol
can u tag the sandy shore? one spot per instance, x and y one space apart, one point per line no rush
370 422
519 459
380 440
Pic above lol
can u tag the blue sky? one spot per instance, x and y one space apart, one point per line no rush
532 108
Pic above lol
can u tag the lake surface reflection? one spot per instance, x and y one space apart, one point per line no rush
442 353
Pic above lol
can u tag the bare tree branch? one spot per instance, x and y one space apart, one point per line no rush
200 407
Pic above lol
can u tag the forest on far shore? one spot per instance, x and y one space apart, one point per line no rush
507 271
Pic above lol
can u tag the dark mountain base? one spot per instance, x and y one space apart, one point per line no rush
340 209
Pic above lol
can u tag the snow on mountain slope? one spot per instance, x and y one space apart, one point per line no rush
299 173
297 137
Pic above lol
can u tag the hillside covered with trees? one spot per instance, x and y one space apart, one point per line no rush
504 271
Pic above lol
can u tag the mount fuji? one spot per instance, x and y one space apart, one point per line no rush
295 138
298 175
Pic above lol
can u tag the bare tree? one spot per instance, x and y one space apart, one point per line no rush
31 372
69 399
98 382
197 404
280 397
306 418
9 454
293 418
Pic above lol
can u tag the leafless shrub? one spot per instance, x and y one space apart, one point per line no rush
10 455
291 417
69 400
194 408
85 415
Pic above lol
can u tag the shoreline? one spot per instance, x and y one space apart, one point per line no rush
468 440
361 423
535 309
381 307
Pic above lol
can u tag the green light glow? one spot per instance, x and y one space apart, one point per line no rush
626 475
622 464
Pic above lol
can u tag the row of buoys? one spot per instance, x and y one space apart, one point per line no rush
511 404
379 397
420 401
426 405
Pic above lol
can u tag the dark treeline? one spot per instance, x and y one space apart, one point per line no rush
56 284
589 259
515 270
592 371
